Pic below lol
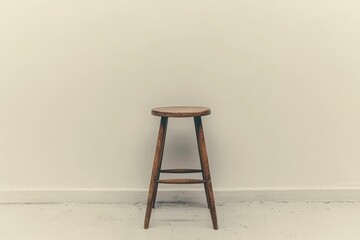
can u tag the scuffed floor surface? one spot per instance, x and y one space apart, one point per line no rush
173 221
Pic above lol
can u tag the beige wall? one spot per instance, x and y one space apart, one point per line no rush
78 80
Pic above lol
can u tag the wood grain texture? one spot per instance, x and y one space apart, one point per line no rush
181 111
165 119
206 170
201 162
156 169
195 112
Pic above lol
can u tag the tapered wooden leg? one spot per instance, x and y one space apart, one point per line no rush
155 169
206 169
159 168
201 162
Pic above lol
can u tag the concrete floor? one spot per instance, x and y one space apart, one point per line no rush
259 221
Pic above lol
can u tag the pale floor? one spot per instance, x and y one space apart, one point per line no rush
259 221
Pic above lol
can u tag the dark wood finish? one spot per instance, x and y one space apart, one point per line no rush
181 170
181 111
156 169
195 112
201 162
165 119
206 169
181 181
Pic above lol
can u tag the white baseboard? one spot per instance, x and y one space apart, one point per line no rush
117 195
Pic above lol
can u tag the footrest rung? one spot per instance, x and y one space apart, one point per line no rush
181 181
180 170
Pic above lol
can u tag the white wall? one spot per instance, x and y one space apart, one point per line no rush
78 80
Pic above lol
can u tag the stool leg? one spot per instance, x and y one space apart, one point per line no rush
206 169
161 157
155 169
201 162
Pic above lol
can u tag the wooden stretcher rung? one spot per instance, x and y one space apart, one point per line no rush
180 170
181 181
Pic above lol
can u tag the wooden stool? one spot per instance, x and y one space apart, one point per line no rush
180 112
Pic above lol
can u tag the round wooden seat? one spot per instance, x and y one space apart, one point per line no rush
180 111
